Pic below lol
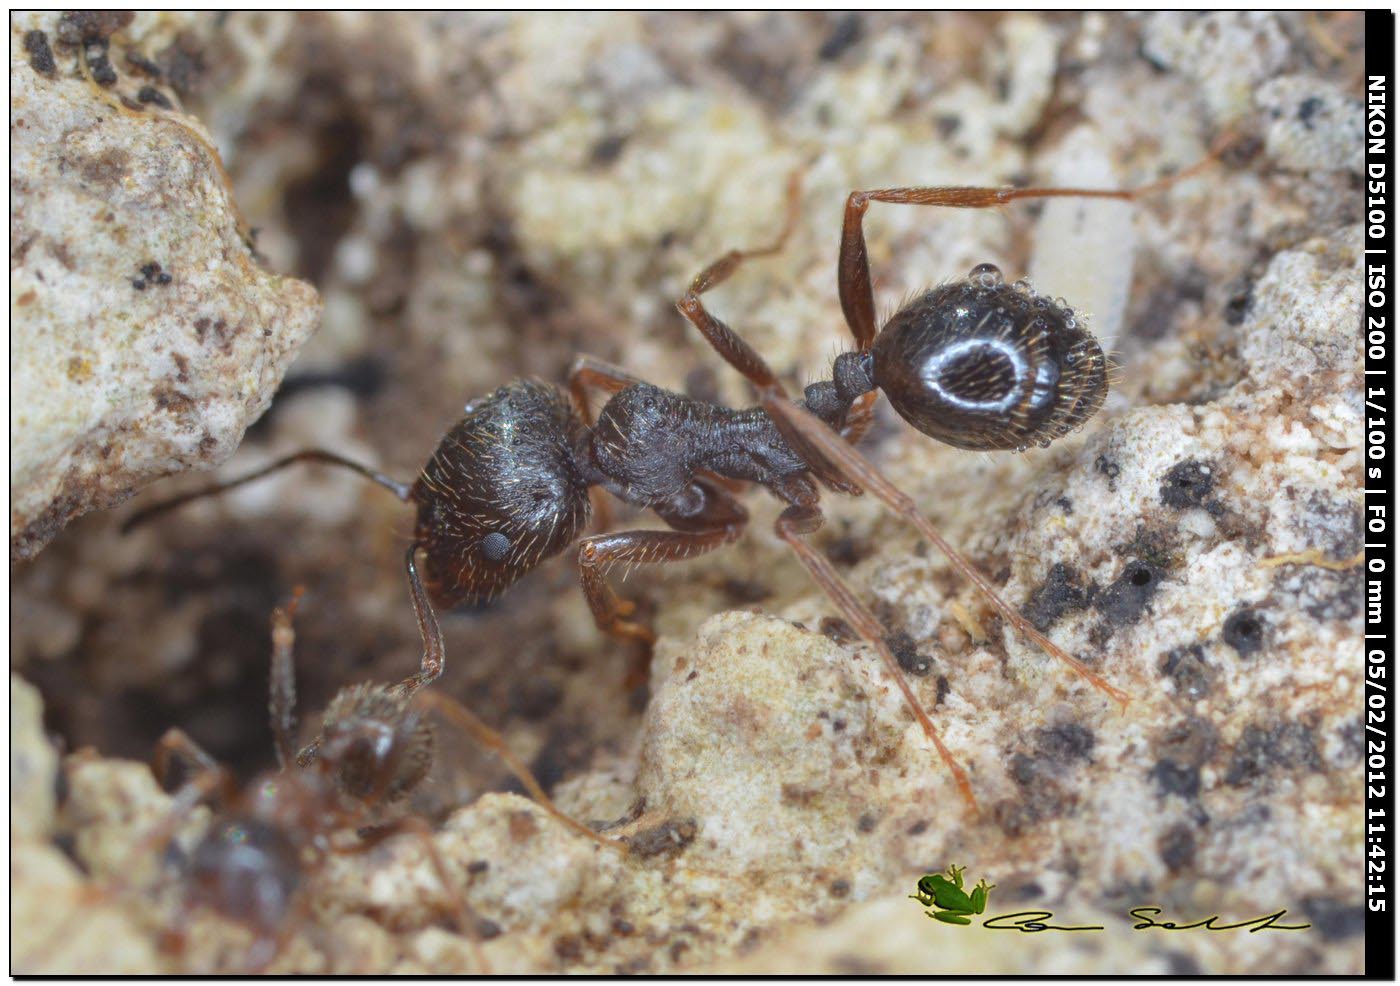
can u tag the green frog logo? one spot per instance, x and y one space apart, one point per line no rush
946 899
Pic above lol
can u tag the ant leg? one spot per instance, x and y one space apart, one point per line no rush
462 914
282 698
178 745
588 371
853 267
403 491
716 520
791 525
838 456
482 734
724 340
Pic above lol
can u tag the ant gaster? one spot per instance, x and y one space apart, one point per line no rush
977 363
374 747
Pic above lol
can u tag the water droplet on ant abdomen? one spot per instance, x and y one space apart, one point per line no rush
986 275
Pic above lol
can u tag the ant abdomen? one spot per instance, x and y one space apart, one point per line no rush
501 493
983 365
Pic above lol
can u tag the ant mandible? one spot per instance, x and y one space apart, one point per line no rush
976 363
374 747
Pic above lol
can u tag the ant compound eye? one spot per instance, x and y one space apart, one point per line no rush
983 365
495 546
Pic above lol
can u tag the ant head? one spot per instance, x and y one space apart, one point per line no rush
984 365
501 493
247 870
374 744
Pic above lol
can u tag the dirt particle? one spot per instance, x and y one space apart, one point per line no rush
907 654
1187 484
840 888
77 27
36 43
522 826
845 34
150 94
1183 780
1177 847
1265 749
1189 671
670 836
1060 593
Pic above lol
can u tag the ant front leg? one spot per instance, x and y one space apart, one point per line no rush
714 520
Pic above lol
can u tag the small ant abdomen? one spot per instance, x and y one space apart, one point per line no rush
982 365
501 493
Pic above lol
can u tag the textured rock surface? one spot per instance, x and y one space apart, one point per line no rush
467 222
145 335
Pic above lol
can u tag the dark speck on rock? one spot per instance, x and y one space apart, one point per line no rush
1127 599
1261 750
908 656
36 43
845 34
1108 469
150 94
1307 109
1189 671
1179 779
1065 742
1335 919
1187 484
1177 847
1060 593
1244 631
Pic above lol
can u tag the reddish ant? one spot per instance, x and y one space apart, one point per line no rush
374 747
976 363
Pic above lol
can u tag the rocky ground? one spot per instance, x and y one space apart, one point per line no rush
475 198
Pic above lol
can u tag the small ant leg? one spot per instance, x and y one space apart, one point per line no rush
176 744
485 736
853 267
401 490
791 525
838 456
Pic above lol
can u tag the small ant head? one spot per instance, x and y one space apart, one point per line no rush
247 870
982 365
374 744
501 493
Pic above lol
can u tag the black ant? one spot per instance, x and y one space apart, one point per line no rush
374 747
976 363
